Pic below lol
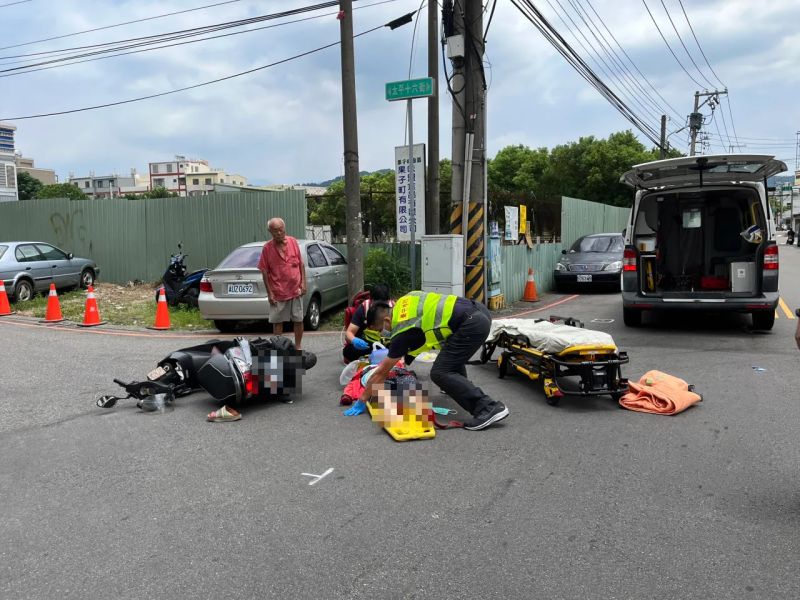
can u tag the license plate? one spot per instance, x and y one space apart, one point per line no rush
240 289
156 373
584 278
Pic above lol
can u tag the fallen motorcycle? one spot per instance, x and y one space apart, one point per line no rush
232 371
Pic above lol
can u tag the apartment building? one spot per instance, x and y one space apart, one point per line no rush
26 165
190 177
111 186
8 167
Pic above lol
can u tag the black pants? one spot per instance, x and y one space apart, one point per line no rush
449 370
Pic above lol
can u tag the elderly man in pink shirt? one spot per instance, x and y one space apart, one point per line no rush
281 266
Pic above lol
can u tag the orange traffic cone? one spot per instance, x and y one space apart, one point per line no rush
530 288
91 315
5 307
53 313
162 312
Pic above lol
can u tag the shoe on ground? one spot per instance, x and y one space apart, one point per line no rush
488 416
222 415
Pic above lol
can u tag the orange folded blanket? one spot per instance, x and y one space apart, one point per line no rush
659 393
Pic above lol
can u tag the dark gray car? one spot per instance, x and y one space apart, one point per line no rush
30 267
592 261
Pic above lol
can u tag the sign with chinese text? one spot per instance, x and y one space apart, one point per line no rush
411 88
402 186
512 223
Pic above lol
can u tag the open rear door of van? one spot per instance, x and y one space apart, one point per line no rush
703 170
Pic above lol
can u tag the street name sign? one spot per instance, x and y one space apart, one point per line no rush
410 88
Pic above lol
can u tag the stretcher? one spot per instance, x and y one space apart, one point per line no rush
560 353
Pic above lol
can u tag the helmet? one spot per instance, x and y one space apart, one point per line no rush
753 234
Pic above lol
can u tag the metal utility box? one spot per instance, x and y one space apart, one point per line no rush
743 277
443 264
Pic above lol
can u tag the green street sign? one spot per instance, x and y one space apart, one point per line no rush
411 88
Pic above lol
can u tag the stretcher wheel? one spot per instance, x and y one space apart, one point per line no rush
553 400
502 365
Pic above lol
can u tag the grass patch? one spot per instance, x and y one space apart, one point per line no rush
124 306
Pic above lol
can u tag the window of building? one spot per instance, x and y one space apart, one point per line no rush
169 169
100 183
86 184
182 181
208 181
195 181
154 168
158 182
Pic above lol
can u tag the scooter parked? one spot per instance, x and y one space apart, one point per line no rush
790 237
177 285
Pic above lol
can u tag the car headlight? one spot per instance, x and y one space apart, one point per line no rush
560 267
614 266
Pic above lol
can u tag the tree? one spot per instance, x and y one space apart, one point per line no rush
61 190
27 186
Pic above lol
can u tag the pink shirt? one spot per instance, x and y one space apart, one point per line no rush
283 272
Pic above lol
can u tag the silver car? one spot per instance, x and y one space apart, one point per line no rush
30 267
235 291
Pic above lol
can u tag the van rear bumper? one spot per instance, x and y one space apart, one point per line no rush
707 303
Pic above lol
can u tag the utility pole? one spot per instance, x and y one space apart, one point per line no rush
696 118
453 20
352 179
663 145
432 203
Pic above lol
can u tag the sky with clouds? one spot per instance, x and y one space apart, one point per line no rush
283 124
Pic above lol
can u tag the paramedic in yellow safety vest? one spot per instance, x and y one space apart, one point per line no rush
361 333
458 327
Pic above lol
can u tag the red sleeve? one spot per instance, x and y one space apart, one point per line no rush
263 265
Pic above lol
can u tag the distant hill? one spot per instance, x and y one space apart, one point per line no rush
780 180
327 182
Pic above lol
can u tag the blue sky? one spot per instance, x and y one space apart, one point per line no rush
283 124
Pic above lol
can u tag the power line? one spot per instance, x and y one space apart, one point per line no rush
530 12
58 37
190 87
633 64
670 47
698 43
13 3
76 62
680 39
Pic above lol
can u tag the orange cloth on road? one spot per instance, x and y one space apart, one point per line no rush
659 393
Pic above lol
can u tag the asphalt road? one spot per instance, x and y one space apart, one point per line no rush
583 500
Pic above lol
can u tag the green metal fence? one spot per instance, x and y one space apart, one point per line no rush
581 217
542 258
132 239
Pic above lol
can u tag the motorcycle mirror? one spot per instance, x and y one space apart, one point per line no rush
180 246
106 401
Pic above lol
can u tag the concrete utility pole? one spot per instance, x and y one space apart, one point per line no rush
432 202
454 31
352 179
663 146
696 118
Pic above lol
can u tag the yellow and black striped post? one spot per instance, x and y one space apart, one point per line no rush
474 269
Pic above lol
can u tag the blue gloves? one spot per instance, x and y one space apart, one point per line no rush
358 408
360 344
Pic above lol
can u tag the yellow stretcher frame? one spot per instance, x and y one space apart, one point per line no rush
597 365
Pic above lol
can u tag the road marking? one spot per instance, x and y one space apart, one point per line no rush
317 477
785 308
602 321
545 307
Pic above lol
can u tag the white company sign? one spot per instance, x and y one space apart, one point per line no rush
406 217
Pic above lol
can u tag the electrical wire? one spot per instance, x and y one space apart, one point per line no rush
190 87
489 23
698 43
76 62
633 64
680 39
13 3
670 47
181 34
530 12
66 35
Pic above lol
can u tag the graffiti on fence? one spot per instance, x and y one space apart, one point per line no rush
70 229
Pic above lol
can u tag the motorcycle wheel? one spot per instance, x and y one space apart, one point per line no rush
225 326
191 297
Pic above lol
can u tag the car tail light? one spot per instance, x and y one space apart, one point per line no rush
629 259
771 258
205 285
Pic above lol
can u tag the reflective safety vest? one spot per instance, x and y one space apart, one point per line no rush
427 311
372 335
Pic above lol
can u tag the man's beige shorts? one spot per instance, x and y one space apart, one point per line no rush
291 310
